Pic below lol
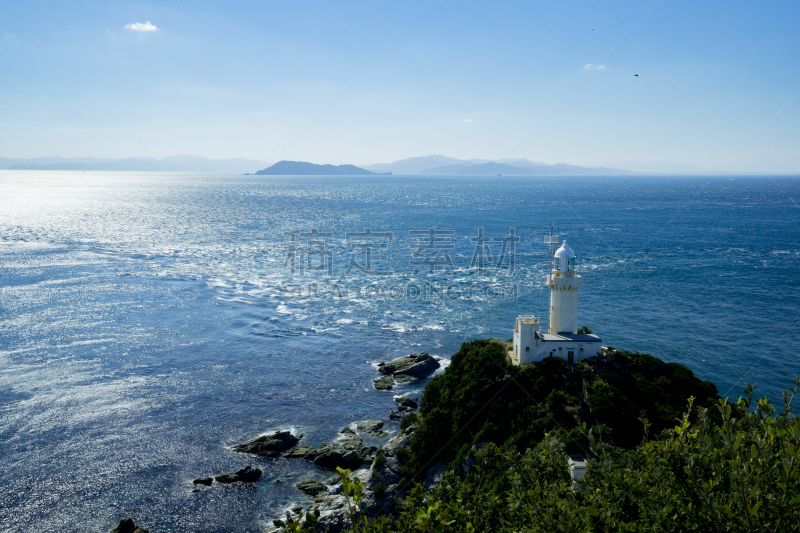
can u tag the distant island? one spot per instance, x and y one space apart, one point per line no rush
300 168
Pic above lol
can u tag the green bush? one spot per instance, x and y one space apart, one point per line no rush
379 460
409 420
380 490
739 475
403 454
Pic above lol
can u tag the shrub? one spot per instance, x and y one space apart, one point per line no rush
403 454
379 460
409 420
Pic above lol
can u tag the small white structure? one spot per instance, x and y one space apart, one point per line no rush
577 469
562 339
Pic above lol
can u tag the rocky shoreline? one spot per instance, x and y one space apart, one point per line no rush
377 468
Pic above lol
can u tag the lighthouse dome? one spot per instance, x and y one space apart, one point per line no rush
565 252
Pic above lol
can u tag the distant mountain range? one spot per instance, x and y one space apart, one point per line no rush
443 165
539 169
171 163
425 165
300 168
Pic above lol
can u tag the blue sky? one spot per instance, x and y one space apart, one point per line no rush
332 82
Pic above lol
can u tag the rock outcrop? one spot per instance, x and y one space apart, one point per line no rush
248 474
414 366
372 427
203 481
384 383
312 487
408 403
269 445
301 452
348 451
405 370
384 473
126 525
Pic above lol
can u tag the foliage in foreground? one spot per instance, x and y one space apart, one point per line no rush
741 475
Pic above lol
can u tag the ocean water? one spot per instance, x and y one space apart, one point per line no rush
150 321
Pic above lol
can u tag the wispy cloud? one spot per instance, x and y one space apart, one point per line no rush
600 67
467 120
590 66
141 26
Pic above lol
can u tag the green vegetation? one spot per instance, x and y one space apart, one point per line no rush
741 475
653 465
584 331
379 460
483 398
380 490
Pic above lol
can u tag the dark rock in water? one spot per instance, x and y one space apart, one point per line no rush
394 415
248 474
346 453
301 452
405 401
269 445
347 431
405 378
417 365
203 481
341 457
312 487
403 409
126 525
227 477
372 427
384 383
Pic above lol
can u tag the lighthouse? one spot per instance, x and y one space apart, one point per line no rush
562 339
564 284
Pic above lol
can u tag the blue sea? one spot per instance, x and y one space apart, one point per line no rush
150 321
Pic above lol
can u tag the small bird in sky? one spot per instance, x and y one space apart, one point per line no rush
636 75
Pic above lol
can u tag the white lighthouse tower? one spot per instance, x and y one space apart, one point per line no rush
562 340
564 284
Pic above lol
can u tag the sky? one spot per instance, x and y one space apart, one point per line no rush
371 81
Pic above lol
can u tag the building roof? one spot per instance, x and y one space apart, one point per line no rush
576 460
565 251
569 337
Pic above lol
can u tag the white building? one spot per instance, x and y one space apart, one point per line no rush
562 339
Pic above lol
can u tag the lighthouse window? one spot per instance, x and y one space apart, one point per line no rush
571 264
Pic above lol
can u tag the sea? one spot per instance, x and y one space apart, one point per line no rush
151 321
